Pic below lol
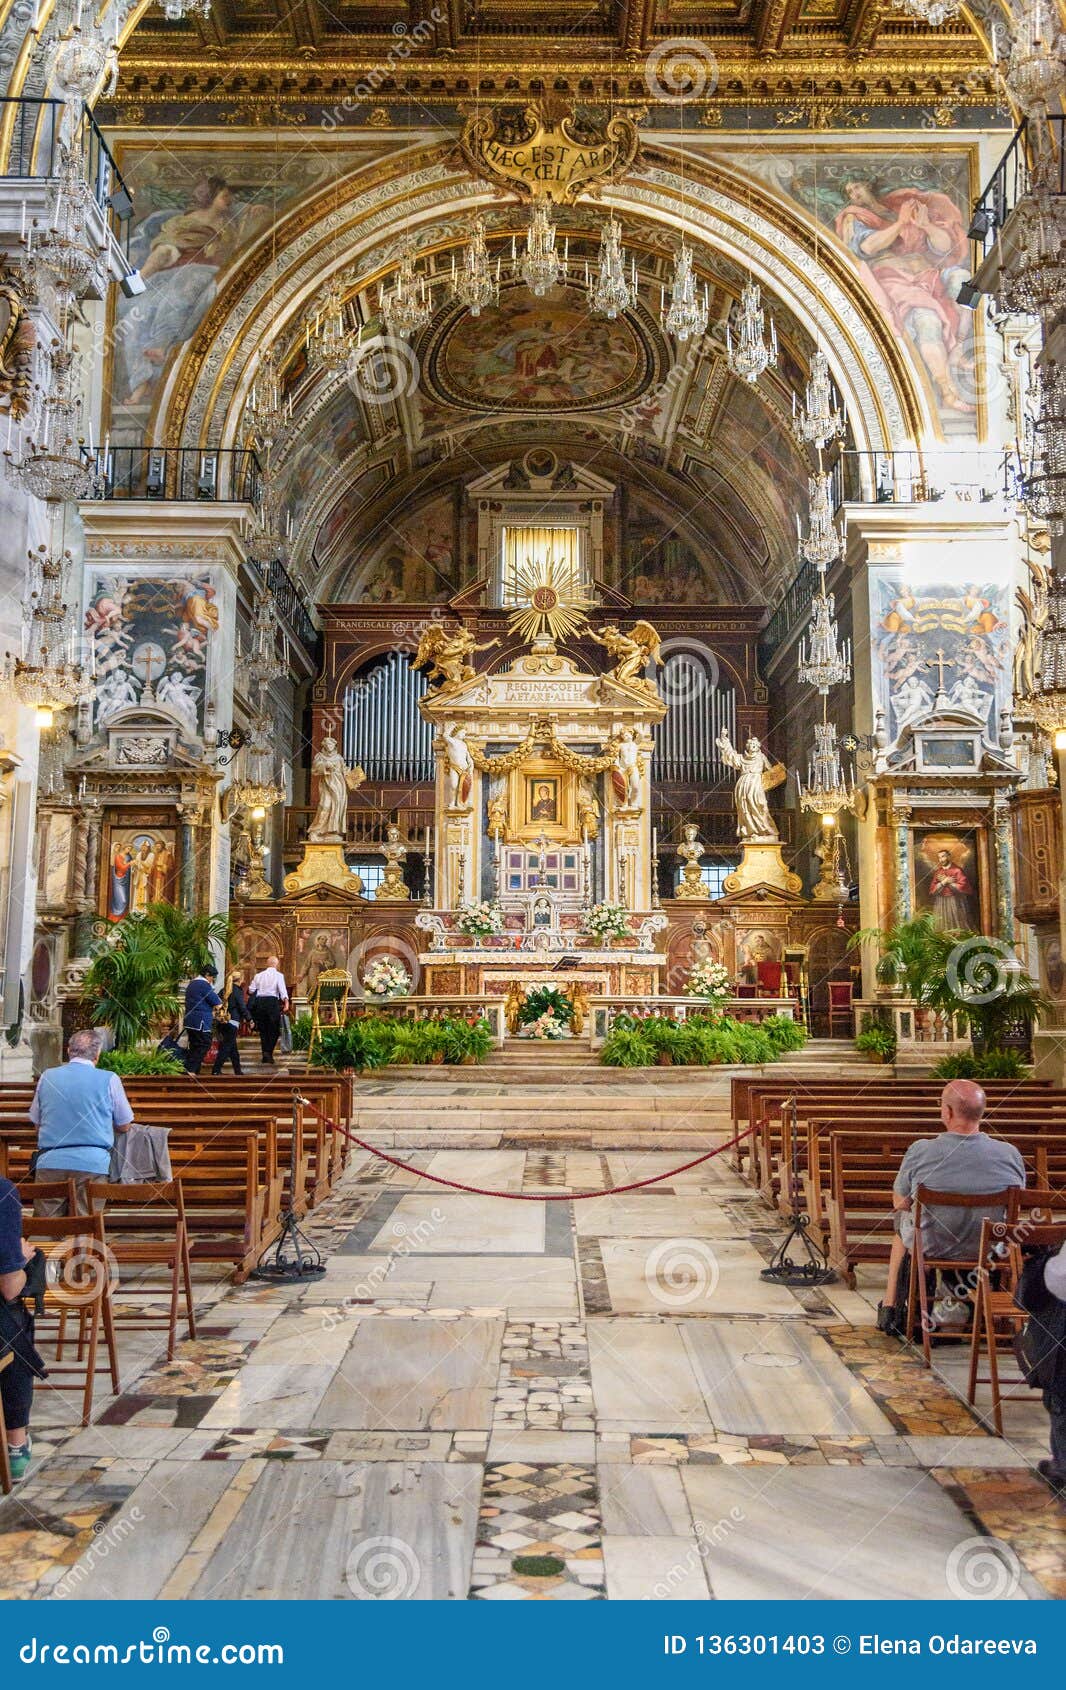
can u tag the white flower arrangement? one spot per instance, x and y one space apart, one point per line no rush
607 921
709 980
386 978
479 921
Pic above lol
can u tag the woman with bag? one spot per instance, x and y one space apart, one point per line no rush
229 1025
21 1276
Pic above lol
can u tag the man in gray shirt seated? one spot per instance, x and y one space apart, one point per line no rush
962 1159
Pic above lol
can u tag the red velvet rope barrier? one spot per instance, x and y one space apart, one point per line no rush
526 1196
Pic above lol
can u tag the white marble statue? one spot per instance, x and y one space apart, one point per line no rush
177 693
459 768
755 778
114 692
910 702
335 781
626 776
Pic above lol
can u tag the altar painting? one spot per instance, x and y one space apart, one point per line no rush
948 878
151 637
140 868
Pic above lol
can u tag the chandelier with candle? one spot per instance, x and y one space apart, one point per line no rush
1044 486
827 789
540 265
83 64
1035 74
63 255
267 536
821 418
751 352
608 289
686 315
329 339
824 659
57 466
476 279
407 305
263 663
46 674
268 409
823 542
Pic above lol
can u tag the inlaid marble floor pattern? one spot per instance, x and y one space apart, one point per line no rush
497 1400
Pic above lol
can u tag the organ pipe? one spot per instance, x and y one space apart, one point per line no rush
698 711
382 729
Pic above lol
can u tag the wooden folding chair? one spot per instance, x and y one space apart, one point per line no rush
6 1484
77 1246
921 1264
994 1305
144 1208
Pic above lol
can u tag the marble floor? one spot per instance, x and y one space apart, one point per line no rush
535 1400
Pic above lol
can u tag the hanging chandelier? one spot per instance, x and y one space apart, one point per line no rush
610 292
257 790
686 315
64 256
78 64
408 305
823 543
263 663
57 466
824 659
751 354
541 265
821 417
328 339
267 409
476 281
1034 272
827 789
1036 66
45 676
1044 487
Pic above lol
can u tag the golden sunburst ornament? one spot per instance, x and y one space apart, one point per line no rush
551 601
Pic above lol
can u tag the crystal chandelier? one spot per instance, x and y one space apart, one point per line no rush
827 789
476 282
686 315
57 466
328 339
750 355
1036 72
824 542
824 659
1044 487
267 409
541 265
263 663
1034 273
64 256
78 63
46 676
257 790
408 305
932 12
821 417
611 292
266 538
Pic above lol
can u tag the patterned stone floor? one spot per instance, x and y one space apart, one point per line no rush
523 1401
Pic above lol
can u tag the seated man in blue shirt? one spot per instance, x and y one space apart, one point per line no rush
201 1000
77 1110
16 1332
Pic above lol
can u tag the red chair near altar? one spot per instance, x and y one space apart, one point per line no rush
771 980
840 996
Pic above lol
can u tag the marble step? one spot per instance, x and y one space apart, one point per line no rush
449 1137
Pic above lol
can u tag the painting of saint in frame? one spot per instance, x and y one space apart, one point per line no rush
946 878
141 869
542 799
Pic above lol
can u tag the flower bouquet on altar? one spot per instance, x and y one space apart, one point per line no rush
546 1026
709 980
545 1012
607 921
386 978
479 921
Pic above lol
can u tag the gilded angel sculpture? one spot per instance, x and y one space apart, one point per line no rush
446 653
632 652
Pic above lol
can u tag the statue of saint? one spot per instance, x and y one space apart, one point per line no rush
756 778
459 768
626 773
335 781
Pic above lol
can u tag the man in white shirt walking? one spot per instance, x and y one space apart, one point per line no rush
268 1000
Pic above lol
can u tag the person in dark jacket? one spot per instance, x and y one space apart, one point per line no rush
236 1012
201 1000
1053 1472
16 1333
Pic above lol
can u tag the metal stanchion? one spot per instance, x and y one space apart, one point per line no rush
784 1268
292 1257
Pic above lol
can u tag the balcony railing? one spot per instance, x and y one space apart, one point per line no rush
177 472
291 605
975 476
30 131
1012 180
